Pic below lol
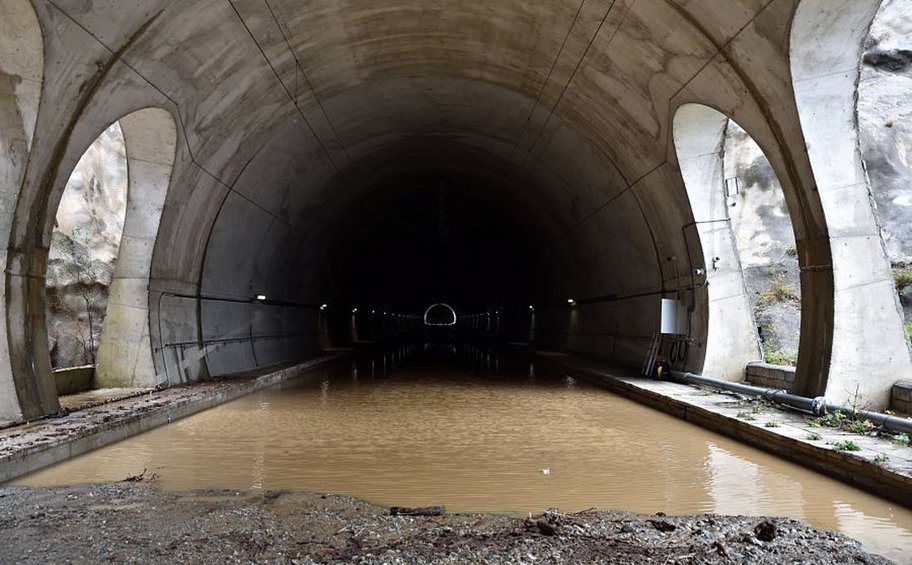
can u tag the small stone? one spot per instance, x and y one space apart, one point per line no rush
766 531
545 528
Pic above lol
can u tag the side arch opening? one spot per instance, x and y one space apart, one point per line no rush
750 263
101 254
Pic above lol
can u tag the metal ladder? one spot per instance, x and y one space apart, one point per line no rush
652 354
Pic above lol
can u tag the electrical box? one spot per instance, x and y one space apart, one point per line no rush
674 317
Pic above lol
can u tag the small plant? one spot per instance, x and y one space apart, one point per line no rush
909 331
778 292
771 424
813 436
779 357
880 458
834 420
862 427
791 250
745 416
847 445
901 439
902 278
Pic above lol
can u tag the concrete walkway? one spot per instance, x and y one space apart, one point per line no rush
97 422
879 466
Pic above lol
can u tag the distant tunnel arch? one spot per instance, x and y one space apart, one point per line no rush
440 314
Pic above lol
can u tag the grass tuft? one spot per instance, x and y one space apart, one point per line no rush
847 445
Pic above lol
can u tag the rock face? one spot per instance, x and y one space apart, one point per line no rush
885 124
766 246
84 248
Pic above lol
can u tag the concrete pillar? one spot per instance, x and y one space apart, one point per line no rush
21 77
870 351
125 353
732 342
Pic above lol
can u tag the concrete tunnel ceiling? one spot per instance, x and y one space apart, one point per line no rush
318 143
413 106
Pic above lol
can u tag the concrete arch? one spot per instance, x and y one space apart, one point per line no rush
125 353
21 81
731 335
869 347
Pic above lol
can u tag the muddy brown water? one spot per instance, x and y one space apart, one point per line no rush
442 430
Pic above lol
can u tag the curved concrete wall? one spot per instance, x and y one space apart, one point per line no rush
308 135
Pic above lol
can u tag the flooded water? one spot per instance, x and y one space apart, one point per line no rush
437 430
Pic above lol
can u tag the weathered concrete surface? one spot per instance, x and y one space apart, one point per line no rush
33 445
901 398
73 380
771 376
790 438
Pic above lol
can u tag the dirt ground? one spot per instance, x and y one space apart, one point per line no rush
135 522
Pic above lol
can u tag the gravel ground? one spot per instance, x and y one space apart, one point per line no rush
135 522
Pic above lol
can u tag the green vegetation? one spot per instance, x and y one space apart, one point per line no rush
863 427
902 278
880 459
813 436
791 250
779 291
771 424
847 445
909 331
901 439
834 420
745 416
779 357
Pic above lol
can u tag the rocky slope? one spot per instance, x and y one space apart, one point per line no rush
83 252
885 123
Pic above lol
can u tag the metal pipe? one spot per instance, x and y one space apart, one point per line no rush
817 406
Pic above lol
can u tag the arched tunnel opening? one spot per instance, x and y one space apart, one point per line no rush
431 218
434 232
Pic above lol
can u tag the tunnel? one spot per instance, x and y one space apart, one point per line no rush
308 175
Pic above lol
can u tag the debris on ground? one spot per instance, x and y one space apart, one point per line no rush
137 522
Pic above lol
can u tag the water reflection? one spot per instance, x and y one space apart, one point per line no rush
474 430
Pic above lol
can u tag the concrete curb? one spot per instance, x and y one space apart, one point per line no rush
32 458
846 467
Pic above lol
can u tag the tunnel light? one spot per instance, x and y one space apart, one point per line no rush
571 302
532 308
373 311
324 306
261 297
354 310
